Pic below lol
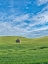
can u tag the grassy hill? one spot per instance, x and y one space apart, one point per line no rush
29 51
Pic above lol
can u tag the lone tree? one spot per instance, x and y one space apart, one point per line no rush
18 41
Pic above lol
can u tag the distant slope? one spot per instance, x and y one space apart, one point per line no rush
12 39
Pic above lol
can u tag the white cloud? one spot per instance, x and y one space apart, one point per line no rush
40 29
22 18
45 8
40 2
40 18
8 29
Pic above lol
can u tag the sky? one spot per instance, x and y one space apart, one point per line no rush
27 18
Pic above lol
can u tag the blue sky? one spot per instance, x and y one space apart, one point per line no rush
28 18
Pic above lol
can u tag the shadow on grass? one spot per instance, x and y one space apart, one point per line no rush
38 63
43 47
38 48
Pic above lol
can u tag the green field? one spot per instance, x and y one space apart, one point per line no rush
29 51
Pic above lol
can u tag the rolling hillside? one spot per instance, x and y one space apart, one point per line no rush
29 51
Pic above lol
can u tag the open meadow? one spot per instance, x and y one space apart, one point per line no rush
29 51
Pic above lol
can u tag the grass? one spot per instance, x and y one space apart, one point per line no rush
29 51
